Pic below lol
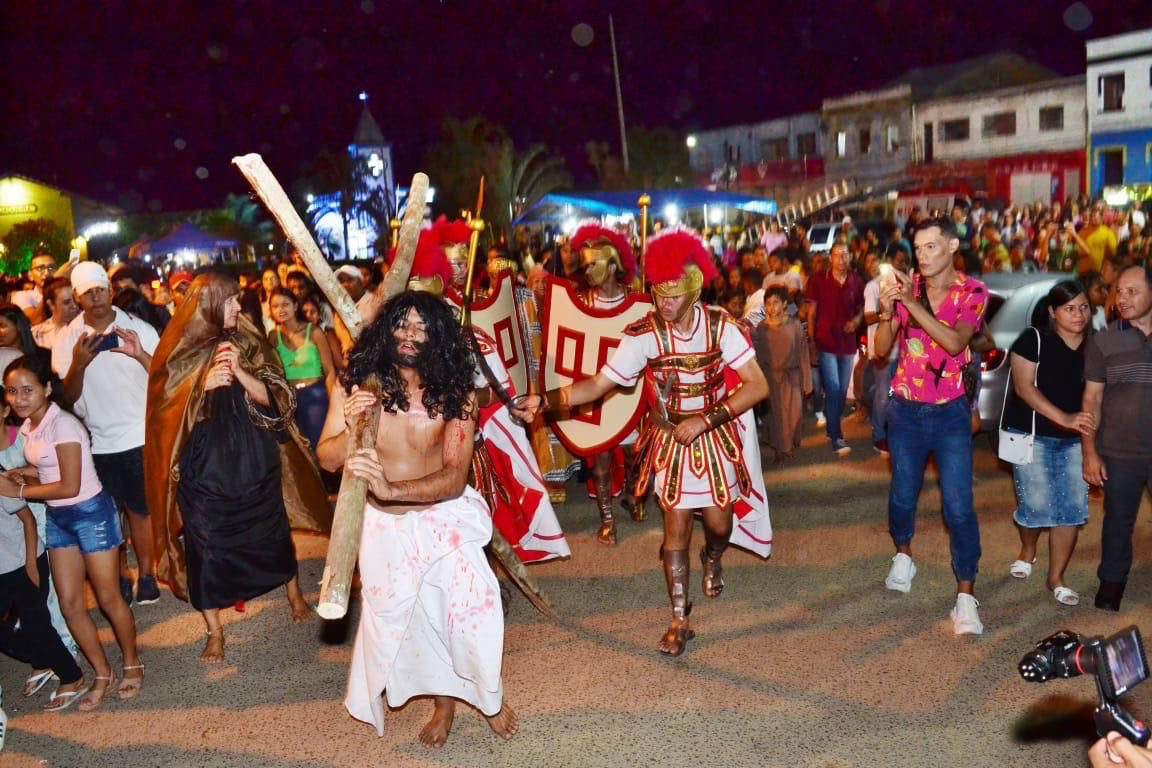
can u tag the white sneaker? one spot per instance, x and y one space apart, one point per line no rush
965 619
901 573
820 420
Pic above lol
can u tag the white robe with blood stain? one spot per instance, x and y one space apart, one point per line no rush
432 623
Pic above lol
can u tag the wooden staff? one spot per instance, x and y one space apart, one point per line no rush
644 202
348 517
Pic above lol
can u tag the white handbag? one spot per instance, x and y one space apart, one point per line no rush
1014 447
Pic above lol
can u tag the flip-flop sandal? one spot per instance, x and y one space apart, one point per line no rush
38 680
1066 596
1021 569
58 700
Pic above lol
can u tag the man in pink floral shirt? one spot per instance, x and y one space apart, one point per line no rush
932 317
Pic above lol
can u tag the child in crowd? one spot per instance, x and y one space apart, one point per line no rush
782 351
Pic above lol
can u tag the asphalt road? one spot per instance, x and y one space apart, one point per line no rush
805 660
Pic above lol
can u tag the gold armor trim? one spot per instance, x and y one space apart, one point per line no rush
690 282
708 453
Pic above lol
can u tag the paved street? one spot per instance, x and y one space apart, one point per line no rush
805 660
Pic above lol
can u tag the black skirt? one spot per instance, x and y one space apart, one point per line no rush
236 535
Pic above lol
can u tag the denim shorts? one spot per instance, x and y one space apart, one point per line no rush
92 525
1051 490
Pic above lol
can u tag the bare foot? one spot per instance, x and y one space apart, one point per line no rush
504 722
95 695
435 732
676 638
213 652
301 611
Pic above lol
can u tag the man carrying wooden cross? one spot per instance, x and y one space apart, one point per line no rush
432 620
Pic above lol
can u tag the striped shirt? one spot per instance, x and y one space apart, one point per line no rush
1120 358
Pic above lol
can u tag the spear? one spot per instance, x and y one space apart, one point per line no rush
348 517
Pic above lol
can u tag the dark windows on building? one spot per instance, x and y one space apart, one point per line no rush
999 124
1112 167
1052 118
1110 91
955 130
774 149
865 144
805 144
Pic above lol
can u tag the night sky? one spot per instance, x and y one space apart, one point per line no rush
133 103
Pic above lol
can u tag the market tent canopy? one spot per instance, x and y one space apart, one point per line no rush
559 206
191 238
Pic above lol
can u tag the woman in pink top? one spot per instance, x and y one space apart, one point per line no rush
83 528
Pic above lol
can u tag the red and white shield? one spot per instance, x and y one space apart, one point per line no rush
577 341
496 315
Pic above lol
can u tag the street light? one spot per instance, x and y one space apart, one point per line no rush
690 141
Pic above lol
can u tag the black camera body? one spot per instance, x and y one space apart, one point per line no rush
1117 664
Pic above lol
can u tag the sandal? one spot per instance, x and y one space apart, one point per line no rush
1066 596
130 686
97 697
38 680
675 640
1021 569
59 700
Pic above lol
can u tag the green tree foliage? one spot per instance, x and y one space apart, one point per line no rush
513 180
242 219
28 238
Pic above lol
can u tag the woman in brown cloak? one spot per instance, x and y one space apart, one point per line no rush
227 473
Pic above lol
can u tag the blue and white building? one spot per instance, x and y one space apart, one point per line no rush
1119 100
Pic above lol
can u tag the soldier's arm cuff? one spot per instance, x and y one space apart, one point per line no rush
556 400
718 414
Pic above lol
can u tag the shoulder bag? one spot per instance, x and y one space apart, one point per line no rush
1014 447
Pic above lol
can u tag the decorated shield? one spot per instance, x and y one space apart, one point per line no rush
497 316
577 341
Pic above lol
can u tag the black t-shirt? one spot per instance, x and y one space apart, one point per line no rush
1059 377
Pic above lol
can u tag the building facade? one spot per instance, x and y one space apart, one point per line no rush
1118 92
778 159
349 223
1020 144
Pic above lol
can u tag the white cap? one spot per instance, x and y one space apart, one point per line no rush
88 275
350 271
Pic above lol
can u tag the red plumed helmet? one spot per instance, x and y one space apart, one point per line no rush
671 250
451 232
429 260
592 233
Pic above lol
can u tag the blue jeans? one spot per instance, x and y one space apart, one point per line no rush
836 376
882 373
916 430
311 410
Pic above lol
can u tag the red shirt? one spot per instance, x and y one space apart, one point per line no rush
836 304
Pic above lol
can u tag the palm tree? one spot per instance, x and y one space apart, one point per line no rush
477 147
522 179
243 219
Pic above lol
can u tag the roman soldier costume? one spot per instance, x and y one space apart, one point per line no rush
609 265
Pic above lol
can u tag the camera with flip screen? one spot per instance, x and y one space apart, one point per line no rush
1117 663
